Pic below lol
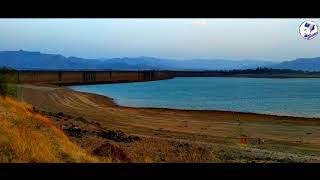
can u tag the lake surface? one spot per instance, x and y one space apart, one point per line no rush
294 97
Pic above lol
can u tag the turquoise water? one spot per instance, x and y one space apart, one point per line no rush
294 97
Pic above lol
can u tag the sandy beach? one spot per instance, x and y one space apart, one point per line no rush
215 136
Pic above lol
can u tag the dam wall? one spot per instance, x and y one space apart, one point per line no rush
88 77
105 77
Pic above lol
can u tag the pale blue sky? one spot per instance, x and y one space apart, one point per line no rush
267 39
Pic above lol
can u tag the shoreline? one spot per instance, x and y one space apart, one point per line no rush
192 110
253 77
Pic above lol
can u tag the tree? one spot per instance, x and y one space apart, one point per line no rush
4 73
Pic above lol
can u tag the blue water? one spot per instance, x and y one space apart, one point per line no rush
293 97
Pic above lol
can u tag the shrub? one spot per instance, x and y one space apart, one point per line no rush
7 75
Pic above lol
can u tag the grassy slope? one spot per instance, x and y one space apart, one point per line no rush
29 137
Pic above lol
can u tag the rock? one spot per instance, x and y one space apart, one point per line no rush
259 141
95 124
81 119
55 115
136 138
112 151
117 136
126 140
74 132
60 114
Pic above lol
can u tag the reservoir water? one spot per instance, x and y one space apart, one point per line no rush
293 97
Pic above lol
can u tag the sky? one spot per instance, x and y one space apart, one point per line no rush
233 39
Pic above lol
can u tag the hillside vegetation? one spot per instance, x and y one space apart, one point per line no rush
26 136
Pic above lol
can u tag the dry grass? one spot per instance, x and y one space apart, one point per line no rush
26 136
150 150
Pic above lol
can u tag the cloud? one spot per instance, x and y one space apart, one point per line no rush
200 23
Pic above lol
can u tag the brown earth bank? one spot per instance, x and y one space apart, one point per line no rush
166 135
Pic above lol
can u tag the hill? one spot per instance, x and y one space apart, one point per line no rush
302 64
193 64
26 136
25 60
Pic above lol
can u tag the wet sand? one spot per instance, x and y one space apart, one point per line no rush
281 138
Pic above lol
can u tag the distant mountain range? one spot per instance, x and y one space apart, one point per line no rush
198 64
25 60
303 64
